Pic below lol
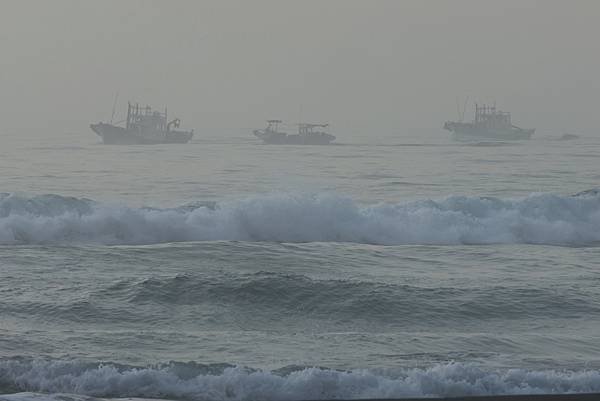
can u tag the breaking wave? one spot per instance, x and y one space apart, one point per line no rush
194 381
536 219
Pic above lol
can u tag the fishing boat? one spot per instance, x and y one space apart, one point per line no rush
308 134
142 126
489 123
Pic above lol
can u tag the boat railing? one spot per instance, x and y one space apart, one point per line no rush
145 115
308 129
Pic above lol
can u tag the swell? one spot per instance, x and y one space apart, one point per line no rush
537 219
193 381
291 294
268 297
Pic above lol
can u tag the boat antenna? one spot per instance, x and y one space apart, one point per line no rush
462 117
458 110
461 113
112 116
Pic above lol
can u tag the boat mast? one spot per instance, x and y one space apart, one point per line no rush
112 116
128 116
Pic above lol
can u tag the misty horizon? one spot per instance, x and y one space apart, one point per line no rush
371 69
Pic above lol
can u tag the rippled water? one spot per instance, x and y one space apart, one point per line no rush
232 270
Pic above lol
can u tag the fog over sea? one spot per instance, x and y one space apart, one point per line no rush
230 270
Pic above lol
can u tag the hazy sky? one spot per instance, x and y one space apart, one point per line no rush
371 68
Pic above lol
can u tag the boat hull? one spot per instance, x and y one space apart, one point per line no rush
466 131
279 138
114 135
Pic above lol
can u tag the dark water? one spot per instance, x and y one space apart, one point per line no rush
298 272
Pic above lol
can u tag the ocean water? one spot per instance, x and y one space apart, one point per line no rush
230 270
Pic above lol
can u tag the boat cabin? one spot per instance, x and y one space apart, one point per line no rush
273 125
309 129
489 117
144 119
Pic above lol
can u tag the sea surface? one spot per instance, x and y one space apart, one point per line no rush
231 270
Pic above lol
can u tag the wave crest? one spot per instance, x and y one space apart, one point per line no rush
223 382
537 219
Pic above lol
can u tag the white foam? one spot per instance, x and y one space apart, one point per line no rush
537 219
447 380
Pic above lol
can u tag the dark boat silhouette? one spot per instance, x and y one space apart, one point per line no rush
307 134
489 123
142 126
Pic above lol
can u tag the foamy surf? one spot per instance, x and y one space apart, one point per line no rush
528 397
201 382
284 217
